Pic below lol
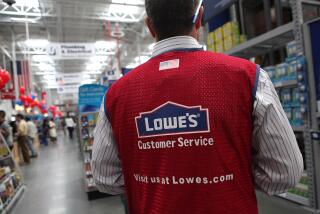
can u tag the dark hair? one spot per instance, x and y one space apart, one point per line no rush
28 119
2 114
171 17
20 116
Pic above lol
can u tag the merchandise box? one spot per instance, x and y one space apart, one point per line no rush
218 35
210 39
231 42
211 48
219 47
230 29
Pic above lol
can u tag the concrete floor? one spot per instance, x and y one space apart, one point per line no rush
55 185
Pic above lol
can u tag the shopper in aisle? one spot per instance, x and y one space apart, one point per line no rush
45 131
181 129
5 129
70 126
52 131
63 125
32 134
22 137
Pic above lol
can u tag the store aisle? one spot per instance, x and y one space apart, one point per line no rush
55 186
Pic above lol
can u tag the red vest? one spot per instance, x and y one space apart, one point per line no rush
185 134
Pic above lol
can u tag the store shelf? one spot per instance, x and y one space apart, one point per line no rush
5 178
14 199
286 84
264 43
298 128
5 158
296 198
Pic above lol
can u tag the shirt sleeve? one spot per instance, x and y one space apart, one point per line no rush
278 163
106 165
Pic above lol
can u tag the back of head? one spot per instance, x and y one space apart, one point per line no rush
20 116
171 17
2 114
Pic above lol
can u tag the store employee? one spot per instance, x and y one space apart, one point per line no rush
191 131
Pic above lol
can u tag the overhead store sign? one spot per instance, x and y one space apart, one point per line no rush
76 50
214 7
68 89
62 79
7 94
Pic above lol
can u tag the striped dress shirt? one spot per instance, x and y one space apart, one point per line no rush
277 160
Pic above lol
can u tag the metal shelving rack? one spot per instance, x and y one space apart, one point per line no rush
19 190
86 151
264 43
273 40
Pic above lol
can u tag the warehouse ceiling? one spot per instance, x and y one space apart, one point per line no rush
118 24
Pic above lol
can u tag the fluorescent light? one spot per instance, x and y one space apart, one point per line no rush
132 2
30 3
105 44
99 59
126 9
151 46
37 43
141 59
46 67
93 67
88 81
42 58
132 65
46 73
16 19
92 72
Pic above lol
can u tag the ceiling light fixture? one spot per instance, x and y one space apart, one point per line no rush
105 44
38 43
16 19
132 2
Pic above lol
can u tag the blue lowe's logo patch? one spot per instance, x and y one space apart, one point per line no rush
172 119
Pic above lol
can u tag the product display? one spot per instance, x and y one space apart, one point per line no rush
87 124
225 38
289 79
11 184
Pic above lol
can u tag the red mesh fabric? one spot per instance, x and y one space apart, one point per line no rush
219 83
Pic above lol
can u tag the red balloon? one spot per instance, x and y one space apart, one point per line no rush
5 76
22 90
29 99
23 98
26 105
1 83
43 95
53 109
33 104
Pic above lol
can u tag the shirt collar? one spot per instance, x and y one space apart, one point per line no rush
175 43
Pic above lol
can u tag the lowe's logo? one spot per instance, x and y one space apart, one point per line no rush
172 119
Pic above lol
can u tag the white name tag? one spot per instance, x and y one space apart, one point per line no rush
171 64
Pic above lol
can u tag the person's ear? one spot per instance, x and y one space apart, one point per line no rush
150 27
199 19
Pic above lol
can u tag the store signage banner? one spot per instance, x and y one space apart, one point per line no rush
7 94
90 97
214 7
68 78
75 50
68 89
